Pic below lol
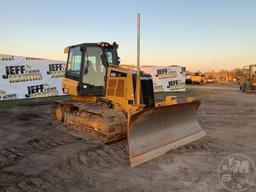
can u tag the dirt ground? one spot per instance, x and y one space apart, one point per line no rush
34 156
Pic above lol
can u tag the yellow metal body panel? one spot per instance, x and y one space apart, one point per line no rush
120 89
85 98
70 86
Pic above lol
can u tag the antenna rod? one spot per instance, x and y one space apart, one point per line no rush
138 62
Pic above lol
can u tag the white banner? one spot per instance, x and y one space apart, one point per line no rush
167 79
26 77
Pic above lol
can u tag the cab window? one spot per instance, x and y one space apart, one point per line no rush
74 62
109 55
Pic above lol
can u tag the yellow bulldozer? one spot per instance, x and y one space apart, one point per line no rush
110 103
248 81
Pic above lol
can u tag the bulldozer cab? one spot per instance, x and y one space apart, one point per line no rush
87 63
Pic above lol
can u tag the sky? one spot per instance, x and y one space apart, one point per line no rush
198 34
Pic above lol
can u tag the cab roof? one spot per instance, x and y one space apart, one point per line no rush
99 44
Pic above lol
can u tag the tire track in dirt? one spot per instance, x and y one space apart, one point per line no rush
82 167
8 157
99 160
11 156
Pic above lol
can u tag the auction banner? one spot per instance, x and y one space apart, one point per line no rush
167 79
27 77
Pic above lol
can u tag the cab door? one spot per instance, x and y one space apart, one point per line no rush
93 73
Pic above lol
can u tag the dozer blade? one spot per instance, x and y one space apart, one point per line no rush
155 131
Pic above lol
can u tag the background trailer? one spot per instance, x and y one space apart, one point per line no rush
167 79
27 77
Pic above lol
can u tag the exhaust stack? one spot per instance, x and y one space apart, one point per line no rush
138 85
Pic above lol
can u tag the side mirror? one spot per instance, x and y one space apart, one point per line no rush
66 50
115 45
